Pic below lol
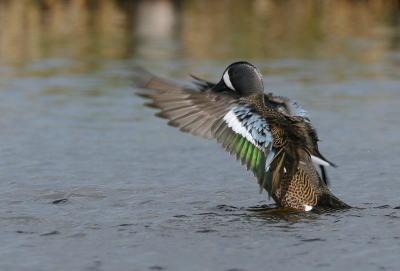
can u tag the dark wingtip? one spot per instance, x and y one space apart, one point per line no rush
144 95
195 77
333 165
144 79
324 176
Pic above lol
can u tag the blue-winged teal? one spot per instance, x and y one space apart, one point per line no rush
271 135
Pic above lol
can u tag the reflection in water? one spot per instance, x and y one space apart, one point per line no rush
363 31
290 29
265 213
155 27
271 214
20 30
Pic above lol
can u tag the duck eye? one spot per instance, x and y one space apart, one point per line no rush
227 80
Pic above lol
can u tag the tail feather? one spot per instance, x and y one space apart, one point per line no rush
329 201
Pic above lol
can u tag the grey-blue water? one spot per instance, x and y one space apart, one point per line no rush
91 180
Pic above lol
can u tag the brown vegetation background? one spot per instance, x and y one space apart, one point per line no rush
362 30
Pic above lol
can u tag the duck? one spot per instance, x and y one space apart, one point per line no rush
271 135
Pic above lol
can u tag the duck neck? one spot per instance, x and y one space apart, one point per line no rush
255 99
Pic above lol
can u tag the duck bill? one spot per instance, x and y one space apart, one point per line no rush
218 87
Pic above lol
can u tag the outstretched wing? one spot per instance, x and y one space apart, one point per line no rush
233 123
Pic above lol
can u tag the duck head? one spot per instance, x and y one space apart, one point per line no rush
241 77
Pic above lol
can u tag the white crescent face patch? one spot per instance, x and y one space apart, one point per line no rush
227 80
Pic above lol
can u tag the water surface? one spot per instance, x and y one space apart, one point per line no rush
91 180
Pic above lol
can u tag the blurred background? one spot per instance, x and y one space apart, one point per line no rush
88 173
357 37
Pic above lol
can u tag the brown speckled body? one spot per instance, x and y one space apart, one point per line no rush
296 190
302 185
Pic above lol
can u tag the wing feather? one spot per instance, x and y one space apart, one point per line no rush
233 123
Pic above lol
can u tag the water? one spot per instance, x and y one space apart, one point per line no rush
91 180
